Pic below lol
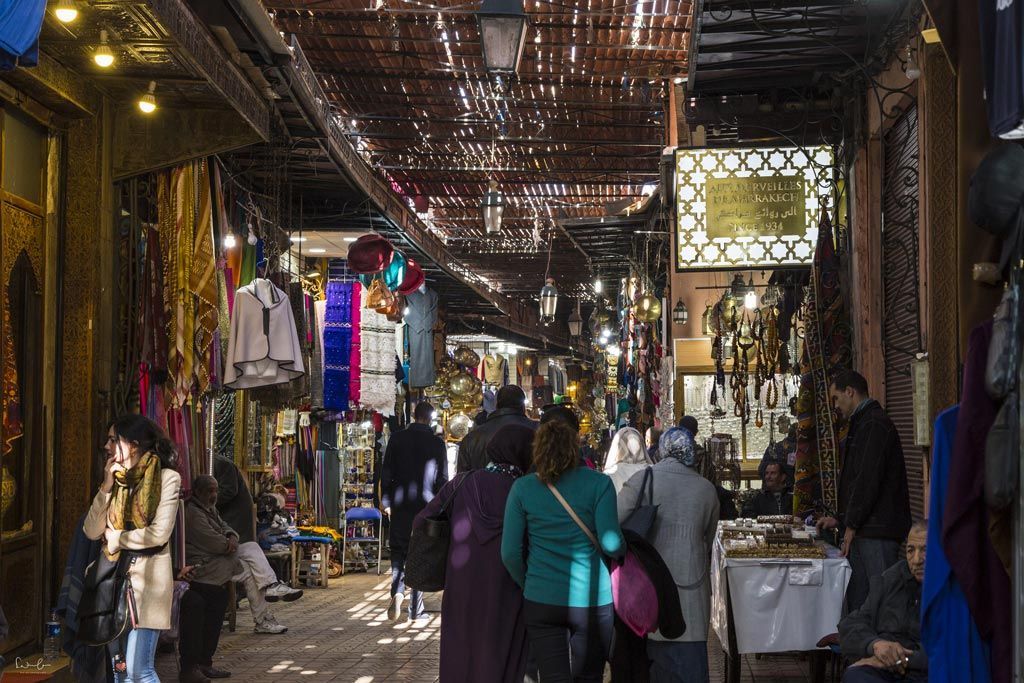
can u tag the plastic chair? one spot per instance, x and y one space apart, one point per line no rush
363 514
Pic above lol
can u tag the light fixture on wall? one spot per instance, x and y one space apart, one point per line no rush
66 11
147 103
679 314
104 56
493 207
502 25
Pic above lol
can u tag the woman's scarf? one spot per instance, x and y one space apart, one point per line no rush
512 445
627 448
678 443
135 497
504 468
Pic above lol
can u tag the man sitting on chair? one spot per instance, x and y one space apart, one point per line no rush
883 637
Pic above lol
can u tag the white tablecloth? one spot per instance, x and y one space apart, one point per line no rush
777 605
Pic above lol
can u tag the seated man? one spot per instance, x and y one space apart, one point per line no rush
774 497
211 546
883 637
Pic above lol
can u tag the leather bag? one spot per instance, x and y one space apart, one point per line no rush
1002 454
641 519
107 606
427 559
1003 362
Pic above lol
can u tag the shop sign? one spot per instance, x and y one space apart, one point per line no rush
749 207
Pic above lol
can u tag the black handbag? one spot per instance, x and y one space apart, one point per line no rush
641 519
107 606
427 558
1002 454
1004 350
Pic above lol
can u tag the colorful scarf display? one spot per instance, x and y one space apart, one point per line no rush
826 350
356 355
337 345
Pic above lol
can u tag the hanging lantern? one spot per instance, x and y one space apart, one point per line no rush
548 301
502 25
493 207
679 314
575 321
737 289
750 297
647 308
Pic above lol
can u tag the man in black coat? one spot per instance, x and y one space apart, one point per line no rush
511 409
883 637
414 470
874 503
234 502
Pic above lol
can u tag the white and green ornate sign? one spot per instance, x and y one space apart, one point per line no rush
751 207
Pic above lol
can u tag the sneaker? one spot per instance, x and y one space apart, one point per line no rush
271 627
211 672
281 591
395 608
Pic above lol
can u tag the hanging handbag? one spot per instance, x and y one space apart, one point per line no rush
634 596
641 519
427 559
1003 361
1002 454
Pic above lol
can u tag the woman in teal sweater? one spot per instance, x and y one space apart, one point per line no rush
567 590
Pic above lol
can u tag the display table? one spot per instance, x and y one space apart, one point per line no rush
774 605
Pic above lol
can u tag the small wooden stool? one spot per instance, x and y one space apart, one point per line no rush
310 557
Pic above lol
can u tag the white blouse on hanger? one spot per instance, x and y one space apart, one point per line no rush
263 349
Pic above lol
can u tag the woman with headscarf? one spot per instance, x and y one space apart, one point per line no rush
626 456
683 532
483 633
134 511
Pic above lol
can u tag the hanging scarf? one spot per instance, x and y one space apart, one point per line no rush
337 345
135 497
826 349
203 275
355 365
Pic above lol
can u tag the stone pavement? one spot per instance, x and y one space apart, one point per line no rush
342 634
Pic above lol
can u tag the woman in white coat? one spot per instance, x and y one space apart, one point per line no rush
626 456
682 533
135 509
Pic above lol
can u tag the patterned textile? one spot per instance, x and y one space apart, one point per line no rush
135 497
11 394
316 373
357 316
678 443
337 345
826 349
203 278
377 362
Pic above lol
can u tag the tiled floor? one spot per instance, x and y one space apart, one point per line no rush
341 634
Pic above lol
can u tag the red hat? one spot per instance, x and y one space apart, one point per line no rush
369 254
414 277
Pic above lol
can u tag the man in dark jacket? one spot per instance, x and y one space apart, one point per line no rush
414 470
234 502
883 637
774 497
874 503
511 409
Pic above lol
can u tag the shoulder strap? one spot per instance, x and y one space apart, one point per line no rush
447 503
572 513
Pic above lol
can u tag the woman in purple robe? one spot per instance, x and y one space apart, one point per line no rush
483 635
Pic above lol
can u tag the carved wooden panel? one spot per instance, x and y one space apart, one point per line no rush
20 593
22 231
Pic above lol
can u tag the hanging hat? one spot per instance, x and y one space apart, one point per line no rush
997 195
414 277
394 274
370 254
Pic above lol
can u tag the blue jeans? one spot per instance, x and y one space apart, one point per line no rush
398 584
673 662
139 654
869 557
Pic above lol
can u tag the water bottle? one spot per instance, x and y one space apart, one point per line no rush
51 645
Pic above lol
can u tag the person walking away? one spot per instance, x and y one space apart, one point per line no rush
483 632
135 510
626 456
651 438
874 503
683 532
212 548
774 498
511 409
566 586
883 637
414 470
237 509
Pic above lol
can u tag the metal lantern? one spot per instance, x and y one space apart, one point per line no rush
737 289
493 207
502 25
575 321
679 314
548 301
647 308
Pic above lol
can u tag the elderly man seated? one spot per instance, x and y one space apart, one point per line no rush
774 497
883 637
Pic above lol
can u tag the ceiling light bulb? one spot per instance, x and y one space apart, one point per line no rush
750 300
598 286
103 56
230 241
147 103
296 239
350 239
66 11
316 250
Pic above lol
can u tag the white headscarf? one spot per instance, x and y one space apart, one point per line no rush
627 449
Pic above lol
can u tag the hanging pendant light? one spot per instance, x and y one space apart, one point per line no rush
493 207
502 25
575 321
679 314
548 301
147 103
104 56
66 11
750 297
647 308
